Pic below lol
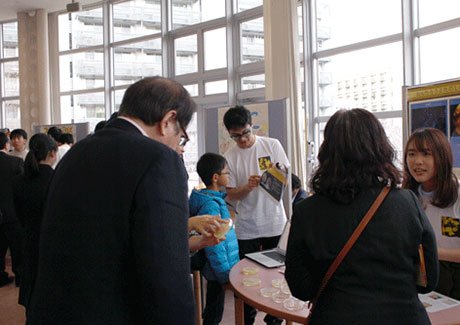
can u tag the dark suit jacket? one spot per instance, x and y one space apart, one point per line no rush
10 167
114 239
375 284
29 198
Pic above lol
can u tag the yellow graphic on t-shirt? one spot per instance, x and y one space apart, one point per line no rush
450 226
264 162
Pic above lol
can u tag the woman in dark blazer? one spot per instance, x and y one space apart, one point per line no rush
29 192
375 284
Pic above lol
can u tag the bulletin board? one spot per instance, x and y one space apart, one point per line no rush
78 130
434 105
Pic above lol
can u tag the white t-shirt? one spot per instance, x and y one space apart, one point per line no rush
445 221
259 215
62 150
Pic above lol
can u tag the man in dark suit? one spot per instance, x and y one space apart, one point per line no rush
10 229
114 239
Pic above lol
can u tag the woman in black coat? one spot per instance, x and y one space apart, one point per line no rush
375 284
30 191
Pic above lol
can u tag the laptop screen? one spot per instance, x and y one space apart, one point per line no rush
282 244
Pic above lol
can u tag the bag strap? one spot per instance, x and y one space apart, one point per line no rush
351 241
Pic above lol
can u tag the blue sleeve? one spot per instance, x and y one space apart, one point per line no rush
216 255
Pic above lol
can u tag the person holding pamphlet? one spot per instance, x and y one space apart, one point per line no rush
260 219
375 283
428 172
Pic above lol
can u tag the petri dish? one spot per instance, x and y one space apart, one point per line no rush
269 291
250 270
280 297
251 282
223 229
293 304
285 289
278 283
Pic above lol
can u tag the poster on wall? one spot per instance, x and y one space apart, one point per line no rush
429 114
259 115
454 108
78 130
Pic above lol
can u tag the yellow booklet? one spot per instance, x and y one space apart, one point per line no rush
421 270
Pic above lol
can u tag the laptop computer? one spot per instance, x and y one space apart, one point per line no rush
273 257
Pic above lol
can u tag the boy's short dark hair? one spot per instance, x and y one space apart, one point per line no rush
3 140
55 132
296 183
66 138
208 165
18 133
237 117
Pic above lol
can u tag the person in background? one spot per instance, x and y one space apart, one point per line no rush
10 229
456 121
212 169
55 132
260 220
298 193
65 143
29 193
114 237
428 173
375 283
18 142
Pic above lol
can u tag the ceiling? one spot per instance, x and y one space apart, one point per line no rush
10 8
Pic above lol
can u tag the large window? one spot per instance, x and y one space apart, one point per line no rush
194 45
359 58
10 116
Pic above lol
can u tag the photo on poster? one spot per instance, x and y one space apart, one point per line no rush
454 108
429 114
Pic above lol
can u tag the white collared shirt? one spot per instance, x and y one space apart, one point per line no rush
135 124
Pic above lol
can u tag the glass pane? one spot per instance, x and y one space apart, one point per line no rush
192 89
81 71
191 12
432 12
186 55
13 114
80 29
438 54
215 87
341 22
191 154
393 129
136 61
252 40
253 82
136 18
215 49
357 79
11 78
83 108
243 5
10 40
118 98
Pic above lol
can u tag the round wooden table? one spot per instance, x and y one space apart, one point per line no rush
253 297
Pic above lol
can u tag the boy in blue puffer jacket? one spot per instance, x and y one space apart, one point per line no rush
212 169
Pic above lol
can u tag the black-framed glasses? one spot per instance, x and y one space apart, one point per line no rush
245 134
184 137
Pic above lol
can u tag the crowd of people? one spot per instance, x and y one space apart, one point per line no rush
107 235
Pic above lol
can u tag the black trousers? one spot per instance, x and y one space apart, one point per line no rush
11 236
215 300
449 279
249 246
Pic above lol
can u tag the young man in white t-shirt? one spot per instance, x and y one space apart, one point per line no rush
260 219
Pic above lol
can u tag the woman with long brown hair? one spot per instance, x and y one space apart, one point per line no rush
375 283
